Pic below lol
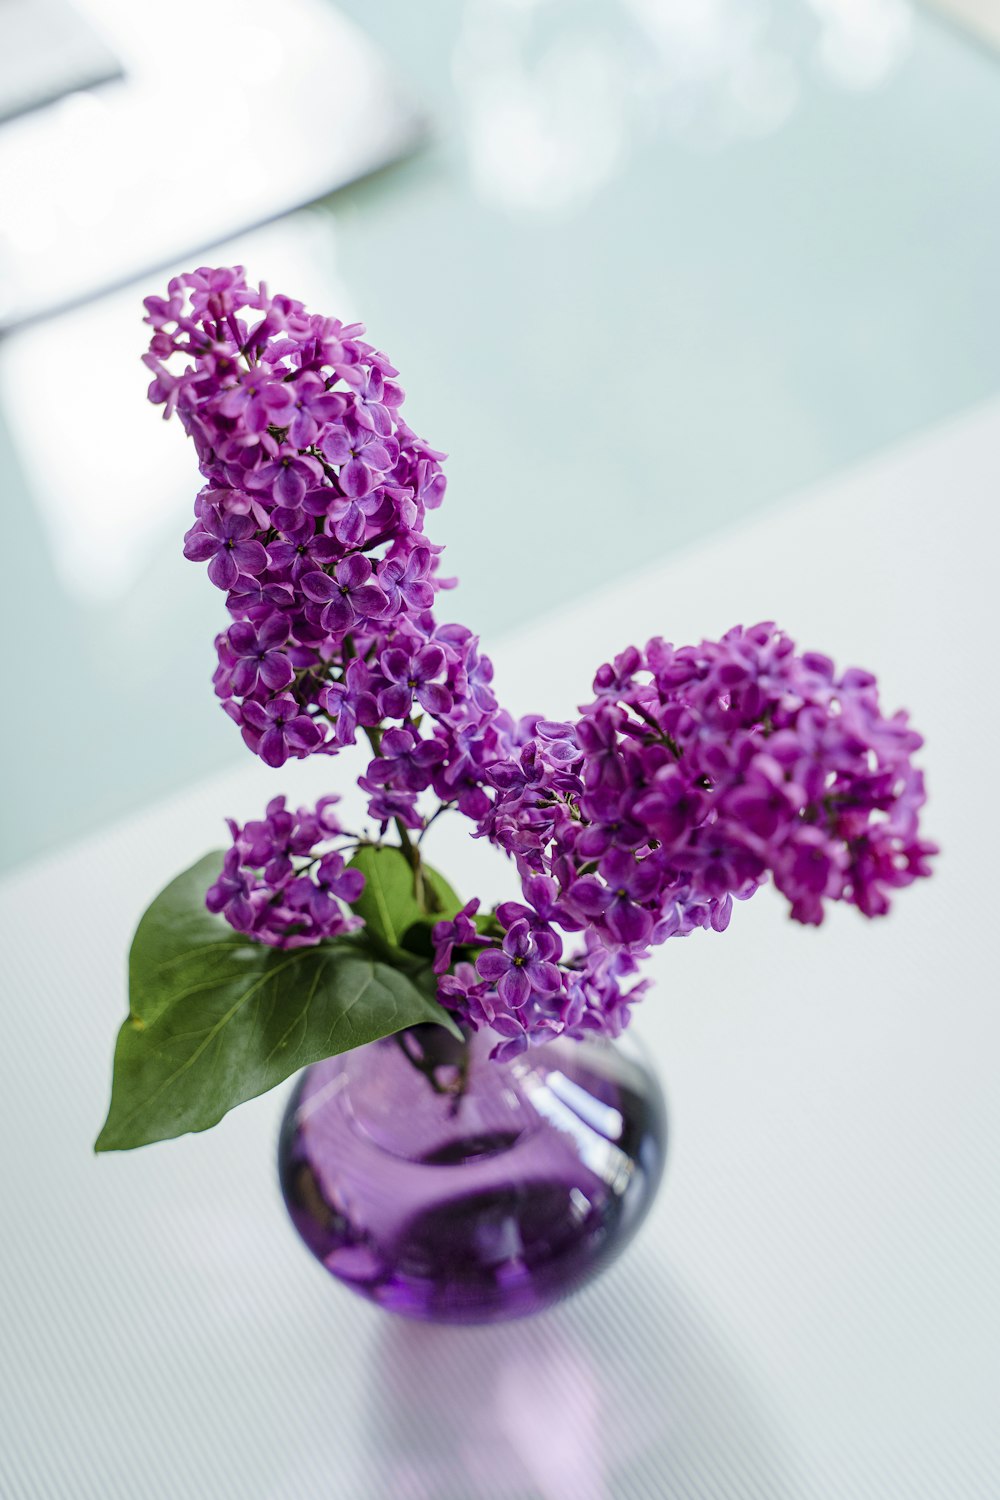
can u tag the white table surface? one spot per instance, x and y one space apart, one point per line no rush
812 1309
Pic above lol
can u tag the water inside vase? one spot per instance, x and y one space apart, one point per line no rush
444 1186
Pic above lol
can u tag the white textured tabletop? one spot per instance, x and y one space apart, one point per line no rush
812 1309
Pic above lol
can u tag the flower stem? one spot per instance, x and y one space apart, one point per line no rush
430 1054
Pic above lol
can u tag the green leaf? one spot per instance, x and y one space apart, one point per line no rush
389 901
487 924
417 938
216 1019
447 902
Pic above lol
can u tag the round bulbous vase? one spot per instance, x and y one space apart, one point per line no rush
447 1187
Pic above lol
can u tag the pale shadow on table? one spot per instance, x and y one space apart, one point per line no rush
619 1393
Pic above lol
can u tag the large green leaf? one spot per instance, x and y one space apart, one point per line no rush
216 1019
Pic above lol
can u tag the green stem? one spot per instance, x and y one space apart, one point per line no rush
661 734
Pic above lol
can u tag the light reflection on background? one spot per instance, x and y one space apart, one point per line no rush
555 91
666 263
861 41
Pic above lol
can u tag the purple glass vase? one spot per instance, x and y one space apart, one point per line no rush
447 1187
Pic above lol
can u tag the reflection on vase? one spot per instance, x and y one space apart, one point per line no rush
447 1187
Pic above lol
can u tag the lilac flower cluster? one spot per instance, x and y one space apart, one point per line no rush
311 521
284 881
694 775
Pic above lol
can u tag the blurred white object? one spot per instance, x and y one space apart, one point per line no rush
47 50
231 113
980 16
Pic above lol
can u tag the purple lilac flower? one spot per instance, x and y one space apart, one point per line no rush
694 775
407 585
313 407
231 893
258 401
276 840
225 542
286 478
522 965
390 805
304 550
405 761
349 597
447 935
411 675
278 729
314 502
317 894
282 882
258 658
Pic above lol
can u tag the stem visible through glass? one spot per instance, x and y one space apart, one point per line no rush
431 1049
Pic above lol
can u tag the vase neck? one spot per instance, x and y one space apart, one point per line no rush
424 1096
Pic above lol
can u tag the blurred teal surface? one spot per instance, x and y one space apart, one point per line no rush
693 310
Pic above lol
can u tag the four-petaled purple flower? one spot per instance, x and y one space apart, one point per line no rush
349 597
313 407
621 897
522 966
411 675
258 401
459 932
278 728
259 659
405 761
286 478
304 551
225 542
364 455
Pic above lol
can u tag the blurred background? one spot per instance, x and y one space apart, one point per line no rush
645 266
